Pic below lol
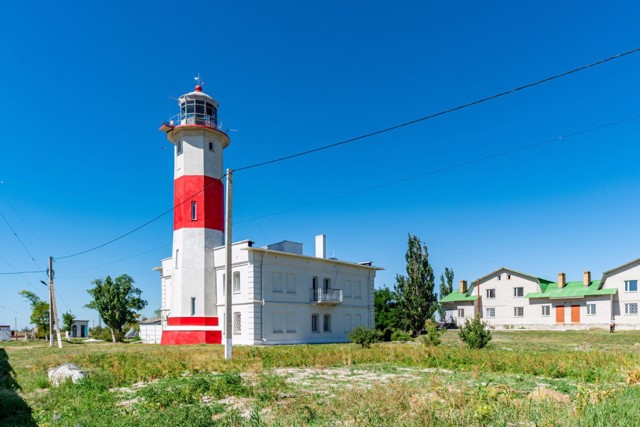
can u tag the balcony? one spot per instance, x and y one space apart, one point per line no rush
326 296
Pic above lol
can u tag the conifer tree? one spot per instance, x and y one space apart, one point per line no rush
417 301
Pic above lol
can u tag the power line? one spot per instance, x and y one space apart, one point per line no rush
20 240
440 113
22 272
450 167
142 225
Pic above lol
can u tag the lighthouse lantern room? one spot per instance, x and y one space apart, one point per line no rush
189 282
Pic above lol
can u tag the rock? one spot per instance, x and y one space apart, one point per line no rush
65 372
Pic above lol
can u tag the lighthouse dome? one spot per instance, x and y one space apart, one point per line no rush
198 108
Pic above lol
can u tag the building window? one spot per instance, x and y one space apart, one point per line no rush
631 308
347 323
236 282
177 258
179 147
490 312
291 323
237 323
591 309
347 289
499 277
518 311
518 292
194 211
326 325
210 145
277 323
461 312
491 293
326 284
193 306
546 310
357 290
631 286
224 284
277 281
508 277
314 283
291 283
314 323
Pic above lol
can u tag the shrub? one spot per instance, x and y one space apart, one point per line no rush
364 336
475 333
386 334
431 336
400 335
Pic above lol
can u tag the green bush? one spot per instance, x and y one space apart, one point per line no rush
364 336
101 333
400 335
475 333
431 336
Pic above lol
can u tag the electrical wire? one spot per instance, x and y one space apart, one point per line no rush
187 199
20 240
440 113
449 167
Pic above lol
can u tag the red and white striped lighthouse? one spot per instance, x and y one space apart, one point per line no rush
198 223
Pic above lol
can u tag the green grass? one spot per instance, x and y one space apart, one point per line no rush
387 384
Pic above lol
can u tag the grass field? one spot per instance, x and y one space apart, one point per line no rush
524 378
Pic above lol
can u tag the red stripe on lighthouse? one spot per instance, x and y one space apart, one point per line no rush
208 195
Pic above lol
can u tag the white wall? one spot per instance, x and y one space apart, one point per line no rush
616 280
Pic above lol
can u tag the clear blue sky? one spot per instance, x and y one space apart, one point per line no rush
85 86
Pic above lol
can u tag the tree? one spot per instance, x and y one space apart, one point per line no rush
446 287
67 321
39 312
116 302
385 309
416 298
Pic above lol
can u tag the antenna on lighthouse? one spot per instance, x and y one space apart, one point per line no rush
198 80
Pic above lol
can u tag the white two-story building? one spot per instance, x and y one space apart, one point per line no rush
281 296
509 299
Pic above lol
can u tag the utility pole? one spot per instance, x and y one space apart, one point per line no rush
228 345
50 305
53 308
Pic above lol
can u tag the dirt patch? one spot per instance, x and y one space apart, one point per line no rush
542 393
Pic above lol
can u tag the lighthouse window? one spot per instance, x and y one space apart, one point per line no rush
191 106
193 306
194 211
179 147
199 107
210 145
209 109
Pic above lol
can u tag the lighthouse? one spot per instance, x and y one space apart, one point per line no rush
189 292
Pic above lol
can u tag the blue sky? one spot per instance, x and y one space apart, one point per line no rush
85 87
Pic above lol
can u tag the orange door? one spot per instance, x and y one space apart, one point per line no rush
575 314
560 314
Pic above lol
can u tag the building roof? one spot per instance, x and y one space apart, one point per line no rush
457 296
543 282
572 290
152 321
307 257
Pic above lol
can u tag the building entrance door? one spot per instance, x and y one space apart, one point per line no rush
575 314
560 314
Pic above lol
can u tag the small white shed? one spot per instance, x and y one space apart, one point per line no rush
151 331
5 333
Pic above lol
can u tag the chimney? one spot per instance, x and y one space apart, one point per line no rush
463 286
587 278
561 280
321 246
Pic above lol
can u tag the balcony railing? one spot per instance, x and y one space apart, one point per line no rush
195 119
326 296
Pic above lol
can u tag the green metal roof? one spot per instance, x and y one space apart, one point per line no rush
571 290
456 296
